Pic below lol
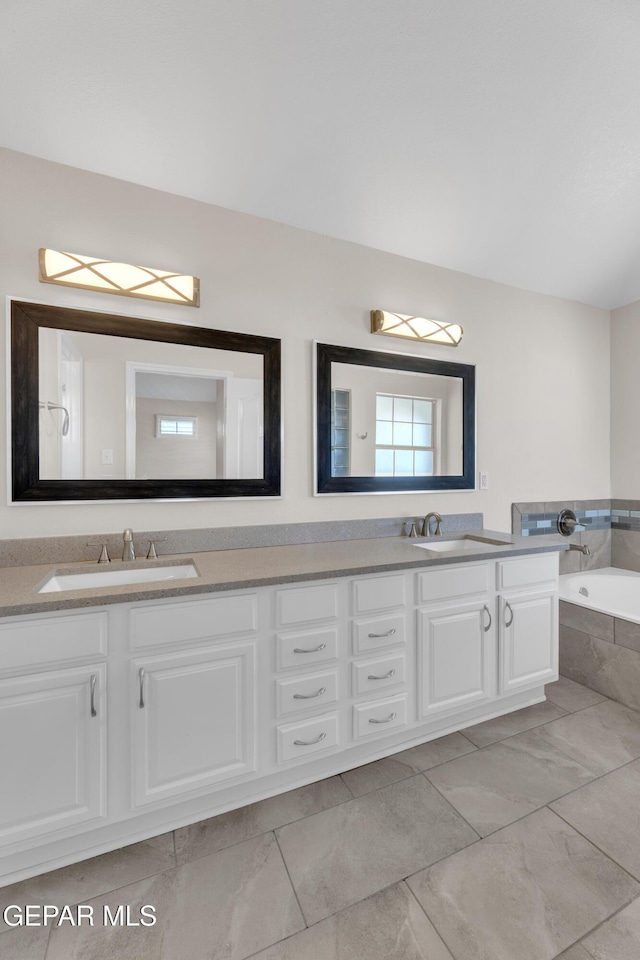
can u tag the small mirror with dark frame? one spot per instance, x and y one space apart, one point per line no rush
389 422
108 407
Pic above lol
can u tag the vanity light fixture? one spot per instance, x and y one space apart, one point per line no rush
415 328
90 273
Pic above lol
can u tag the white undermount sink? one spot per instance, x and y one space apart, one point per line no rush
464 544
116 577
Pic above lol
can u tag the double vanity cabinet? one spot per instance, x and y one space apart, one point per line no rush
122 721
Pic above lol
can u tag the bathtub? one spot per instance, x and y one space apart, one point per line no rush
609 590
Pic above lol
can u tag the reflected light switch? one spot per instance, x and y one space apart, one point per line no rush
107 456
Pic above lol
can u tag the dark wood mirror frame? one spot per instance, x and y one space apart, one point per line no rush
326 483
27 318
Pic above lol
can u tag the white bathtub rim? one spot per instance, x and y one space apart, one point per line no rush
611 609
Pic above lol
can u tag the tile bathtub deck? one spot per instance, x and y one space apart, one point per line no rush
517 839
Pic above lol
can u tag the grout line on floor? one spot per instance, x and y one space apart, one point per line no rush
295 892
412 894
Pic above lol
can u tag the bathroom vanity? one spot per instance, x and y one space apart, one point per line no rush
130 711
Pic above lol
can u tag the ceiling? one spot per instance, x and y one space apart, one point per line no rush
496 137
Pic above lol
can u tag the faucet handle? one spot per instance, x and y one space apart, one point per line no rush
152 555
104 553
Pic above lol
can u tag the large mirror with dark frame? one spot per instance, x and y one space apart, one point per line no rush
388 422
108 407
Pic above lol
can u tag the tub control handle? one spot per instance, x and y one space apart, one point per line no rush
141 675
507 606
488 613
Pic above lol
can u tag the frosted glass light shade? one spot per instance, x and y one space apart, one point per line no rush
415 328
89 273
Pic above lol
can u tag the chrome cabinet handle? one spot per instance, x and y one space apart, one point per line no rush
317 649
389 633
309 743
385 676
388 719
309 696
92 685
141 680
507 606
488 612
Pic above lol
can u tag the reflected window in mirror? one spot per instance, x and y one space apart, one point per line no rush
137 409
410 423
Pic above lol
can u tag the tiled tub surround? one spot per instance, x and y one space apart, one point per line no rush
296 877
601 651
611 529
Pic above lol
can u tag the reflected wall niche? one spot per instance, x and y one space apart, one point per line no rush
108 407
393 423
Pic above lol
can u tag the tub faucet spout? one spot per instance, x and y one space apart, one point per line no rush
581 548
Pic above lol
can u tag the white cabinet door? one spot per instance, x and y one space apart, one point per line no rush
194 720
528 640
456 657
52 745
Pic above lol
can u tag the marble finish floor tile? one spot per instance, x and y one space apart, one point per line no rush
226 906
601 737
571 696
482 734
508 780
388 926
83 881
617 938
200 839
607 812
371 776
342 855
575 953
528 892
24 943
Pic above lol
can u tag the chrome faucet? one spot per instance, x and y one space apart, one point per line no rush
581 548
427 520
128 550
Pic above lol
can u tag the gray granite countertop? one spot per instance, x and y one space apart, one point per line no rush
254 567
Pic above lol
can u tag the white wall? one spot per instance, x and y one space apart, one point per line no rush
175 457
542 362
625 402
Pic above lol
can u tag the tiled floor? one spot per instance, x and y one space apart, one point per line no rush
518 839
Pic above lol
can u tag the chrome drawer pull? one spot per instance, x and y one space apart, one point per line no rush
317 649
309 696
310 743
391 717
385 676
141 679
488 612
92 684
507 606
389 633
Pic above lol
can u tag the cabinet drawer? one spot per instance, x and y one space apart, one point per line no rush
305 693
29 643
305 737
306 604
379 717
306 647
449 582
379 632
378 593
369 676
526 570
198 620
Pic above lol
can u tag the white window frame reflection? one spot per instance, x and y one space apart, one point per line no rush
405 422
